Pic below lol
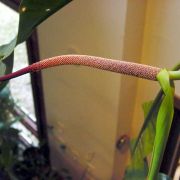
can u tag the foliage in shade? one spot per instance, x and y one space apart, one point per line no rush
2 69
163 124
6 67
162 176
154 133
8 134
150 113
32 13
138 169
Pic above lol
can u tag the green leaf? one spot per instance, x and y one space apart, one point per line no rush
7 66
7 156
138 168
7 49
33 12
147 138
135 173
142 145
2 69
150 113
163 124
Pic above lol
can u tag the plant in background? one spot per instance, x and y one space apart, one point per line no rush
153 136
34 165
9 139
31 14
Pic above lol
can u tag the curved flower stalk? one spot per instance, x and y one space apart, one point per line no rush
117 66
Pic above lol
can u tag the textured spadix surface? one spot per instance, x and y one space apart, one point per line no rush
117 66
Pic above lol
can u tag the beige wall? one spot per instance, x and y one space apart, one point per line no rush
83 103
160 48
89 108
132 49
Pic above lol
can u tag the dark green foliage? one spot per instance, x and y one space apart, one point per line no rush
32 13
154 133
8 135
34 165
162 176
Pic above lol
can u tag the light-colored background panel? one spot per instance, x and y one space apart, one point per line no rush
161 44
89 108
132 50
84 101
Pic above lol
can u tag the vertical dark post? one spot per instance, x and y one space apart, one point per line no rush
172 151
36 80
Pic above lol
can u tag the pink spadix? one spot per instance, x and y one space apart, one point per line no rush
117 66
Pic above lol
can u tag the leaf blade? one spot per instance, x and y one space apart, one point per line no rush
33 12
164 120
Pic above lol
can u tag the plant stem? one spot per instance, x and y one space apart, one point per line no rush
174 75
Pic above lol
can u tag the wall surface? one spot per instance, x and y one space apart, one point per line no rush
132 50
82 103
91 109
160 48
